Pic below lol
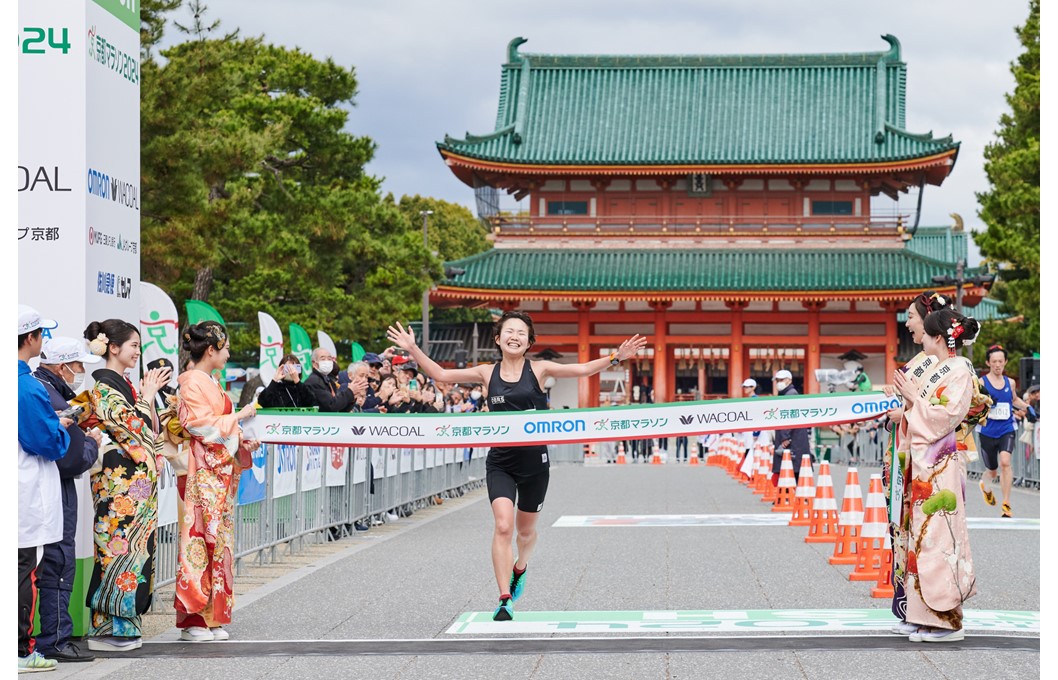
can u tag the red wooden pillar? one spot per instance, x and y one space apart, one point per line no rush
661 351
812 359
735 353
892 340
584 397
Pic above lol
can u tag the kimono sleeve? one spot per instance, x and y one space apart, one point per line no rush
927 423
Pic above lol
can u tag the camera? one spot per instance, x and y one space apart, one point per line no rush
73 412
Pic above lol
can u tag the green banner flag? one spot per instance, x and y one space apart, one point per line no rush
358 351
198 311
302 344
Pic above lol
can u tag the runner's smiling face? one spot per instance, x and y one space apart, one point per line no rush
513 339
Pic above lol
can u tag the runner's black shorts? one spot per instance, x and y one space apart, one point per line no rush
529 491
991 446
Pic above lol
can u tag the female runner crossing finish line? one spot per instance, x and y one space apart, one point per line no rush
513 473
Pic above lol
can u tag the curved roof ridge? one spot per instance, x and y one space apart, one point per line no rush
542 60
926 137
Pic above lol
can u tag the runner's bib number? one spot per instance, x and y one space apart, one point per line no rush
1000 411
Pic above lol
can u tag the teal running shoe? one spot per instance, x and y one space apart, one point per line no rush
517 584
505 612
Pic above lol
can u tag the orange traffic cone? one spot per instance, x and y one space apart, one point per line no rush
870 552
850 521
787 485
621 460
806 491
824 526
692 458
885 589
771 491
656 458
763 479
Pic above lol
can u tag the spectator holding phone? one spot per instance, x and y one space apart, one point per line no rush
286 389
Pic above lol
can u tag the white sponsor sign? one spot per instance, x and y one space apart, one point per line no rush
360 466
284 470
420 459
326 343
528 428
271 347
392 462
311 468
159 328
378 463
168 496
337 465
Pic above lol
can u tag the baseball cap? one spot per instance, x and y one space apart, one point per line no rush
409 366
783 374
398 360
62 350
749 382
161 362
372 359
29 320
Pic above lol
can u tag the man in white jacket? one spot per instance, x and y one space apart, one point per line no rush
42 439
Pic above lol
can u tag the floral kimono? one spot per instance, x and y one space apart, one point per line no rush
204 576
915 369
938 573
125 495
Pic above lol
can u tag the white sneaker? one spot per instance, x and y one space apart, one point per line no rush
196 634
219 634
904 628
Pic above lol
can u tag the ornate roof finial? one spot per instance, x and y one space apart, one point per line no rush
512 50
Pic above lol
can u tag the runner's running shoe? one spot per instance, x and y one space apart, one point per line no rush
990 497
505 612
517 585
1006 511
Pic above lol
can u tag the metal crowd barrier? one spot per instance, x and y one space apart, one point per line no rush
866 447
321 507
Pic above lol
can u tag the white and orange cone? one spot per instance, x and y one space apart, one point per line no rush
850 521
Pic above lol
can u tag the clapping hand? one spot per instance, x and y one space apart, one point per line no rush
154 380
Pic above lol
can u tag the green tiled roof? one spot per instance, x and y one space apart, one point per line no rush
680 270
701 110
987 309
939 243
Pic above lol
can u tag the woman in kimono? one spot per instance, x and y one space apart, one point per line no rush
124 488
938 574
917 312
217 454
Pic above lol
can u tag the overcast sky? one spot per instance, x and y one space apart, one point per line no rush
427 68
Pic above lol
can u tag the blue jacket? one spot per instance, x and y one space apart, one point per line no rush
39 430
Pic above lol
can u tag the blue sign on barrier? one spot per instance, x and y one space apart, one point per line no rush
252 485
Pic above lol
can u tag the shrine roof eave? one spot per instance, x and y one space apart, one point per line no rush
472 295
936 168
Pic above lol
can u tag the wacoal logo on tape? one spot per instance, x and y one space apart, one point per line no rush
553 426
723 417
358 430
395 431
686 420
861 407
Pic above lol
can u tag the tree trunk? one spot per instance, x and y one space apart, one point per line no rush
203 284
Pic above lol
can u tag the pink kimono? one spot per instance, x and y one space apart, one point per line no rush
204 576
939 568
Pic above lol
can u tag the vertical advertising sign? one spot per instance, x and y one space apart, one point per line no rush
311 468
159 328
78 172
338 464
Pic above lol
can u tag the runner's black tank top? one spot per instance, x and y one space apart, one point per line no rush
524 395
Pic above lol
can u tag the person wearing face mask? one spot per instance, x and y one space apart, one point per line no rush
796 440
286 389
330 396
61 371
